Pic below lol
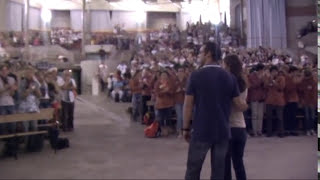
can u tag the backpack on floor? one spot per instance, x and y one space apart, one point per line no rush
153 130
10 148
35 143
55 141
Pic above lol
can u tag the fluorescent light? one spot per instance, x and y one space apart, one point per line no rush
46 15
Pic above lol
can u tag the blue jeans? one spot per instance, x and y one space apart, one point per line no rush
197 154
309 118
163 116
235 153
136 106
179 109
7 127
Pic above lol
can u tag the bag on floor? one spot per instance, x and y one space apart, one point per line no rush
35 143
55 141
153 130
10 148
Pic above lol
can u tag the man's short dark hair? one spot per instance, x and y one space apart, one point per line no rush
214 50
259 67
273 68
292 69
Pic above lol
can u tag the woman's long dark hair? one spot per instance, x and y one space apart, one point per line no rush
235 66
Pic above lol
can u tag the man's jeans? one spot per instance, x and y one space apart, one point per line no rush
197 154
7 127
179 111
309 118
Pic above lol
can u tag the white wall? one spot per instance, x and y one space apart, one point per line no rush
100 21
14 16
76 20
157 20
128 19
35 19
184 18
60 19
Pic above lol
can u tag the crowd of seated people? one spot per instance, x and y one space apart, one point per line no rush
278 85
66 37
26 89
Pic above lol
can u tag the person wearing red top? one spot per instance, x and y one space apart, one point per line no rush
292 99
164 101
136 89
257 97
308 99
275 101
179 98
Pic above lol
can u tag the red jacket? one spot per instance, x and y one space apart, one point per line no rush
256 89
180 91
291 91
164 95
275 91
307 91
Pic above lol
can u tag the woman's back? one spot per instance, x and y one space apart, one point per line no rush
236 119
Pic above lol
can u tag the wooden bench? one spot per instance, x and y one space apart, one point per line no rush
23 117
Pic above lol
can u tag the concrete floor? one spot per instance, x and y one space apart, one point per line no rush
106 145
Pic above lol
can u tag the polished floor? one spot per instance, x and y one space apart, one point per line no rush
106 145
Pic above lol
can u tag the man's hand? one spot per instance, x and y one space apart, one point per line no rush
187 136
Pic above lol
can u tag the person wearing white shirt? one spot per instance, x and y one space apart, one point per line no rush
68 87
122 67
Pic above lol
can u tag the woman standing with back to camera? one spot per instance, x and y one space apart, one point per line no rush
237 122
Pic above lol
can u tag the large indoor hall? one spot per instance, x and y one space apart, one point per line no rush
158 89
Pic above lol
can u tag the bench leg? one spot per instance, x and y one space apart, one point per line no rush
16 147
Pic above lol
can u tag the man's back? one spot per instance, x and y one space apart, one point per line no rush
213 89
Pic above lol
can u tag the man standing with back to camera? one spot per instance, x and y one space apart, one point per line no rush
210 93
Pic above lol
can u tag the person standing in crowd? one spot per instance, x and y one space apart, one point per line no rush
211 90
29 92
68 87
292 100
237 122
136 88
179 98
308 98
257 97
275 101
164 101
7 104
117 84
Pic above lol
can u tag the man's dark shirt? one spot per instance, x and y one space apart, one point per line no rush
213 89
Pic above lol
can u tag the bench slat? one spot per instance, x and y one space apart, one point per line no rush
43 114
22 134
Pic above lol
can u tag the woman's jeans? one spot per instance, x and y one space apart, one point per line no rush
7 127
179 111
136 106
235 153
309 118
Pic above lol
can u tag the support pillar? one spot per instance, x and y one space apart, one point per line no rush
26 28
